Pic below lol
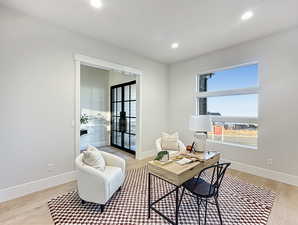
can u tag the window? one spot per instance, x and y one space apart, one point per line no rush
231 98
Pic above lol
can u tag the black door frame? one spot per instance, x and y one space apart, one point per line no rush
122 86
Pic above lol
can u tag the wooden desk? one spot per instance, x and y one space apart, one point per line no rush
177 174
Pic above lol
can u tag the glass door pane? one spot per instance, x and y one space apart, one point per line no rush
133 142
126 93
123 109
133 109
133 92
133 125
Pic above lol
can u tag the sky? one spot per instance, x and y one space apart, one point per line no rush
236 105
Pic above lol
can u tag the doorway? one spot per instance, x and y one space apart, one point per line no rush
129 72
124 116
94 107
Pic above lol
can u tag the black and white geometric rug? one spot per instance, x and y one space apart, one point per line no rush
240 203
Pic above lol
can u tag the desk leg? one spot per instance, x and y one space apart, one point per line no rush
149 194
177 206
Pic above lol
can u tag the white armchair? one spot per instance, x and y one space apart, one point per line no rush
97 186
182 147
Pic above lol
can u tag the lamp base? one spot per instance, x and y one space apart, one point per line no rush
199 144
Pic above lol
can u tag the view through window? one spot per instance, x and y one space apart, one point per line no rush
231 98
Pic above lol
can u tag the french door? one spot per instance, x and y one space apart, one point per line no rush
123 116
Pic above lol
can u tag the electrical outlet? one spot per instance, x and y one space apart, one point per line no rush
269 161
51 167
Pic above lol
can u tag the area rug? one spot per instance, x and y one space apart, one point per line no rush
240 203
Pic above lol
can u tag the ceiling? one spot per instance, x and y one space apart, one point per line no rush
149 27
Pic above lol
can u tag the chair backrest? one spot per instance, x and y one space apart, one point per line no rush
159 148
214 175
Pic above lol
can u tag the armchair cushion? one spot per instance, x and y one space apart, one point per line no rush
169 141
113 160
182 148
92 157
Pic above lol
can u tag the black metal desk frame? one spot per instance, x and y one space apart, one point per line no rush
151 204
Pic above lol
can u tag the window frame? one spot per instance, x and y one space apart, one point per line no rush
229 92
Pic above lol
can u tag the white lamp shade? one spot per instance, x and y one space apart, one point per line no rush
200 123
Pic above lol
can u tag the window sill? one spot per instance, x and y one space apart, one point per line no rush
235 145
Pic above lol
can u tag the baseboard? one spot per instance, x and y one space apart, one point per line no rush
34 186
262 172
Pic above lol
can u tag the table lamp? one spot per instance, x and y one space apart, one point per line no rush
201 125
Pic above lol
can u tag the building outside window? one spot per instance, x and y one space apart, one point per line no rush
230 96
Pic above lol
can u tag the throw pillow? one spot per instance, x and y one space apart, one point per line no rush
92 157
169 141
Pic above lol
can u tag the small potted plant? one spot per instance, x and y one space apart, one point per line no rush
163 156
84 120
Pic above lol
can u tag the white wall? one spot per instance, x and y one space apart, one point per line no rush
37 92
94 102
119 78
278 108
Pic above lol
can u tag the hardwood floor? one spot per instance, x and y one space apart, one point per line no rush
32 209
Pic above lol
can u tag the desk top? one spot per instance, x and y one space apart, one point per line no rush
178 174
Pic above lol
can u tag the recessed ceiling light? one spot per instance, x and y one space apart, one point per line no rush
175 45
247 15
96 3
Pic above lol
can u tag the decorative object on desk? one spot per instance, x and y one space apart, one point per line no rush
203 156
196 156
189 148
201 125
177 157
184 161
162 156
